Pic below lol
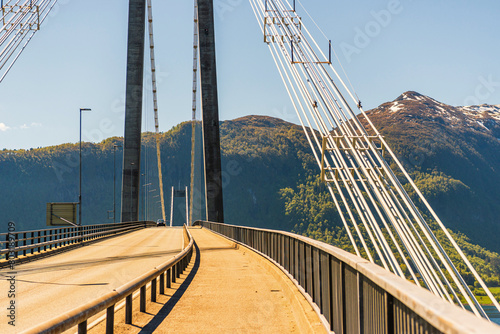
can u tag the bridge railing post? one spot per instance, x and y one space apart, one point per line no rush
316 273
110 319
361 308
7 255
162 284
153 290
16 254
51 232
308 270
82 327
142 299
351 310
389 313
128 309
326 283
293 257
302 264
24 243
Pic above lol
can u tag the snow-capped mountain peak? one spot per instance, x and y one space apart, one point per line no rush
415 107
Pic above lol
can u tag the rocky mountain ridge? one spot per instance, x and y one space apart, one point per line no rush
480 118
460 146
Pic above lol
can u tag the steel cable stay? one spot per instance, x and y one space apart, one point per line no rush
299 102
317 126
332 49
355 160
193 116
155 106
15 16
376 230
343 200
20 20
296 104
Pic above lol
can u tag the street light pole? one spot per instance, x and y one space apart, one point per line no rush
114 182
80 176
130 200
151 192
145 194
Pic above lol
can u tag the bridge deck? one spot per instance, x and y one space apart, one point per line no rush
49 287
226 289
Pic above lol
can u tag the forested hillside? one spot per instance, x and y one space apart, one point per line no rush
454 156
271 180
261 155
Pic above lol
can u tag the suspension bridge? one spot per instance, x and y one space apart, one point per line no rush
214 276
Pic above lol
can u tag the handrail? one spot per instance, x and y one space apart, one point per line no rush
79 316
64 240
77 227
350 293
14 244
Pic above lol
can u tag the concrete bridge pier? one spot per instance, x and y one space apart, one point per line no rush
210 112
133 111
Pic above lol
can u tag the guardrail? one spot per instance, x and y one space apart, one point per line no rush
166 272
27 243
350 294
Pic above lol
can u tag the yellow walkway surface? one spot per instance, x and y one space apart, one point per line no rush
226 288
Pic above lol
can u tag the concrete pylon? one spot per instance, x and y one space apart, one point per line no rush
210 112
133 111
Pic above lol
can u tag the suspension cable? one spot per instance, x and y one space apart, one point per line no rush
155 105
351 154
19 21
193 116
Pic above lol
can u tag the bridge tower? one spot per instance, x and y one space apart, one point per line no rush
210 112
133 111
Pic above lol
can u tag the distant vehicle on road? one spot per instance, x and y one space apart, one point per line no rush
160 222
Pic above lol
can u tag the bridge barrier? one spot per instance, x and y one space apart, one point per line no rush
13 245
350 294
167 272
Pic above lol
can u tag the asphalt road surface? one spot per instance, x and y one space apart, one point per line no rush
48 287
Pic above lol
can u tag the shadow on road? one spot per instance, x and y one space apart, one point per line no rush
167 308
85 264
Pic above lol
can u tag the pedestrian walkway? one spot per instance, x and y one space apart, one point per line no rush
227 288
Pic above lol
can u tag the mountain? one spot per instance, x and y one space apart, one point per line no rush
260 156
270 178
453 154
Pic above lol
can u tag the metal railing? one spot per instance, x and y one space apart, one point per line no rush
14 245
350 294
166 273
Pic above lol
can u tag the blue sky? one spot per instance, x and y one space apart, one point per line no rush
446 49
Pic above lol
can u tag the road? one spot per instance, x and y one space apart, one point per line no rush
226 289
51 286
